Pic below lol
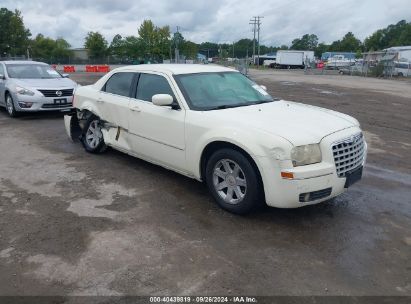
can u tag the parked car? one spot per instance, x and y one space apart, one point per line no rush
402 69
354 69
30 86
215 125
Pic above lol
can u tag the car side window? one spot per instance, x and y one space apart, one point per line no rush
119 84
1 70
150 85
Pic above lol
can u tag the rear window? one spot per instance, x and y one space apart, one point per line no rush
119 84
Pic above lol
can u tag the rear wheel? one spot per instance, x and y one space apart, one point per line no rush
92 137
233 181
11 110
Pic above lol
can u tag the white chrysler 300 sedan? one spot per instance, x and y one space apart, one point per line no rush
215 125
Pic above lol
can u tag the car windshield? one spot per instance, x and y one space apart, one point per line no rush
211 91
31 71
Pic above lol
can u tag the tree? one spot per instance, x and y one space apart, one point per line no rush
155 41
393 35
61 49
42 48
189 49
306 42
96 45
350 43
50 50
118 47
320 49
210 49
14 36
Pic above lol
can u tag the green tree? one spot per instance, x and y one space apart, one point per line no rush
42 48
306 42
393 35
96 45
210 49
189 49
50 50
350 43
155 41
320 49
133 47
14 36
118 47
61 49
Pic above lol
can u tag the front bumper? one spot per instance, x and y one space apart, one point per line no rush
39 103
315 183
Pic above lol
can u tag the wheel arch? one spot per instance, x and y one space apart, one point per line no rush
6 92
214 146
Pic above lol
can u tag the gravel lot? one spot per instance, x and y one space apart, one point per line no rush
73 223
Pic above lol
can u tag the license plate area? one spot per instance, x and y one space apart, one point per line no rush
353 177
60 101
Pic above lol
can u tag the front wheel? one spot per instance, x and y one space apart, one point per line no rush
92 137
11 110
233 181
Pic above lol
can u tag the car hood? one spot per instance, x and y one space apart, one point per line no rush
298 123
56 83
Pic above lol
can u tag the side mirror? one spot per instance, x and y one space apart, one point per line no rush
162 100
263 87
65 75
2 77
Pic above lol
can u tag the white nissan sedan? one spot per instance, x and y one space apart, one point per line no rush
215 125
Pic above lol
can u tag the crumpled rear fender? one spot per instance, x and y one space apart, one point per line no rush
72 126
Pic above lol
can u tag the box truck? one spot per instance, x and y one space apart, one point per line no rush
293 59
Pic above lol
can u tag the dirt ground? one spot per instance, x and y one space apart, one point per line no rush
72 223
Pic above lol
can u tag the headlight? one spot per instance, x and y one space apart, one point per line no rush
23 91
306 155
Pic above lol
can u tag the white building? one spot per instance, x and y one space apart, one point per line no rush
403 53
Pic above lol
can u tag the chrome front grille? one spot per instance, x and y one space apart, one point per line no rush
57 93
348 154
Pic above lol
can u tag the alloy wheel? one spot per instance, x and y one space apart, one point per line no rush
94 135
229 181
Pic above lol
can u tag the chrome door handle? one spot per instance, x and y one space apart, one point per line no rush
135 109
100 100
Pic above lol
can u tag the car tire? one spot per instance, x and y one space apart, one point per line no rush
11 110
233 181
92 137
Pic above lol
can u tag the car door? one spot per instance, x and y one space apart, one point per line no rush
2 85
157 132
113 103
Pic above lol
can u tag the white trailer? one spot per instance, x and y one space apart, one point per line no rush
290 59
293 59
309 56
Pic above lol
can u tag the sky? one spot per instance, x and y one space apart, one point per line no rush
221 21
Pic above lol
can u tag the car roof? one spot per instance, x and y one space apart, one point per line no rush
177 69
22 62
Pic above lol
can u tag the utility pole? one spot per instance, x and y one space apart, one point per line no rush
256 23
253 22
259 26
177 52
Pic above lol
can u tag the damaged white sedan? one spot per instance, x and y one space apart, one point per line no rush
215 125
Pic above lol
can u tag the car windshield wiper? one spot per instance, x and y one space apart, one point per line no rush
226 107
241 104
264 101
